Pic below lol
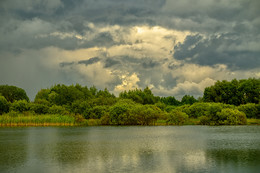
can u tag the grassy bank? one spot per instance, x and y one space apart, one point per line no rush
7 120
253 121
37 120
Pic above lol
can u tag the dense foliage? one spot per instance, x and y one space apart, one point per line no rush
234 92
12 93
222 104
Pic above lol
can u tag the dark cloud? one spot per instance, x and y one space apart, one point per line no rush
109 62
148 63
19 18
217 49
64 64
90 61
37 31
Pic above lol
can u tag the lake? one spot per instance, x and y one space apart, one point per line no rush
130 149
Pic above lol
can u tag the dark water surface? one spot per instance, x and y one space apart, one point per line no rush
130 149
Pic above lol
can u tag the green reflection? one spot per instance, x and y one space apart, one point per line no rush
13 149
239 157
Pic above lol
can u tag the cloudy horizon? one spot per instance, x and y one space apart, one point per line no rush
174 47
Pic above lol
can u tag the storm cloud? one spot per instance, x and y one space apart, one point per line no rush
174 47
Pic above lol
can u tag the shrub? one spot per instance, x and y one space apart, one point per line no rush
79 118
93 122
145 114
120 111
12 93
79 107
39 108
161 105
58 110
13 113
184 108
250 109
4 105
204 120
230 116
105 120
169 108
177 117
20 106
42 101
198 109
97 112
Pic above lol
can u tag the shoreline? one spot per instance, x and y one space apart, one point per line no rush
96 122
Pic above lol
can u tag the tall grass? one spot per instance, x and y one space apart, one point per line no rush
37 120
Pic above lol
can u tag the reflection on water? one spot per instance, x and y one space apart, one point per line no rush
130 149
13 149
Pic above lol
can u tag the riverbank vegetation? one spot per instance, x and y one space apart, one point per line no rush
226 103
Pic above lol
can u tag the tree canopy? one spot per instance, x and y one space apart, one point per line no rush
234 92
223 103
12 93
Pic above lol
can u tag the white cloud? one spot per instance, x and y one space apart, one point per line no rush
129 82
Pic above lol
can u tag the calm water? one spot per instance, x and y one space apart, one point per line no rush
130 149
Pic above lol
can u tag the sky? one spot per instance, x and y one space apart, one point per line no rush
175 47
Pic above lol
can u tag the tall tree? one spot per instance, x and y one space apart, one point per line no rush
187 99
12 93
234 92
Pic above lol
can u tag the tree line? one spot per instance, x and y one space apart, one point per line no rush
222 104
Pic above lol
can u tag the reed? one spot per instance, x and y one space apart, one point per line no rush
253 121
37 120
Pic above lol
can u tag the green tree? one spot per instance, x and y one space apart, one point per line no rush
187 99
4 105
39 108
250 109
198 109
146 114
170 101
20 106
43 94
65 95
177 117
97 112
60 110
234 92
229 116
120 111
143 97
249 90
80 107
12 93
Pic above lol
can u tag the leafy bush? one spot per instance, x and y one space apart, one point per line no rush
250 109
105 120
39 108
177 117
79 107
118 112
184 108
12 93
58 110
204 120
42 101
187 99
20 106
97 112
230 116
169 108
4 105
234 92
161 105
198 109
79 118
146 114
